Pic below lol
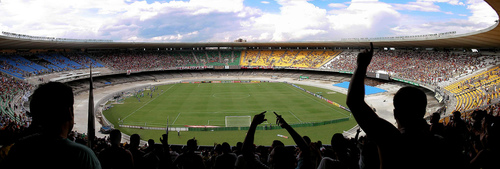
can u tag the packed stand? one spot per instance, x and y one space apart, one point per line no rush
83 60
154 60
22 65
13 117
476 91
136 60
425 67
60 61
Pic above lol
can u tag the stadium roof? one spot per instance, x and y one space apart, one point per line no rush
487 38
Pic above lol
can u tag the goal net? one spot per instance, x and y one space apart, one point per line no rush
238 121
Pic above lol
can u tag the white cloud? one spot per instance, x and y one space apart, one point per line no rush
337 5
176 37
426 6
482 17
227 20
482 13
364 19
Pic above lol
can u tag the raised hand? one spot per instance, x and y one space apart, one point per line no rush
164 141
259 118
365 57
281 121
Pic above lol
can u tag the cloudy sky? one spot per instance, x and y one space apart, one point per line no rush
253 20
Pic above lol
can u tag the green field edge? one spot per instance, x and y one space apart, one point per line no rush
207 135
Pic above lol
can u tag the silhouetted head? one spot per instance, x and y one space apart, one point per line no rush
151 142
409 106
115 137
226 148
280 157
435 117
192 144
218 148
457 115
339 143
135 140
277 143
51 106
239 145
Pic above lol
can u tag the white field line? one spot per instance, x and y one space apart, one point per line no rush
147 103
295 116
176 118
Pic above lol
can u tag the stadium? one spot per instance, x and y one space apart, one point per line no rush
212 90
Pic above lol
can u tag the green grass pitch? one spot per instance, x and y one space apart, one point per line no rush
209 103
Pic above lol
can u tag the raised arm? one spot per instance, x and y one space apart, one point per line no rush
248 150
367 119
296 136
165 160
304 147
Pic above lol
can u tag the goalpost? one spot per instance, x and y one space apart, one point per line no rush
238 121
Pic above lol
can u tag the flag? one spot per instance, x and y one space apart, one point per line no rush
91 120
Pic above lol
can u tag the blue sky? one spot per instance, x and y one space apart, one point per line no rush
253 20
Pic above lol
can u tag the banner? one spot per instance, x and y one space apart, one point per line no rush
234 67
219 67
322 98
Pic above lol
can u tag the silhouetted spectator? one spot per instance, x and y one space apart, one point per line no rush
116 156
248 159
227 159
305 156
134 148
46 145
189 159
151 144
488 157
436 126
159 156
410 145
237 149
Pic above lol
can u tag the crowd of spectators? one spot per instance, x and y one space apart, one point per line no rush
475 139
427 67
82 59
476 91
13 117
422 66
145 60
14 70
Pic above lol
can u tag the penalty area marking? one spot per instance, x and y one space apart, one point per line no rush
147 103
176 118
295 116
